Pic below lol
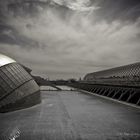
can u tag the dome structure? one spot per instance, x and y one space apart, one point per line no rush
5 60
17 88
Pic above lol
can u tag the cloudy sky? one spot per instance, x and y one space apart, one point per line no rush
69 38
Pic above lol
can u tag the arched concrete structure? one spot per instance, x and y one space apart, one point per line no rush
120 83
127 75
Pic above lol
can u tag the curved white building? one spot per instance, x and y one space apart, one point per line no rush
17 88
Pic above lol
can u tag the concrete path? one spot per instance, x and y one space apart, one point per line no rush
72 115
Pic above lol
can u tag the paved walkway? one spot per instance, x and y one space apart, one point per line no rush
72 115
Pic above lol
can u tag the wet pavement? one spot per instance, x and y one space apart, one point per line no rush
52 88
47 88
72 115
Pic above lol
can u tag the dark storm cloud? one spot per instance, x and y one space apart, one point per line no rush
64 38
119 9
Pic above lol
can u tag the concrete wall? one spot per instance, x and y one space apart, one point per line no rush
126 94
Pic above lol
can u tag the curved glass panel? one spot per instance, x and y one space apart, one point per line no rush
5 60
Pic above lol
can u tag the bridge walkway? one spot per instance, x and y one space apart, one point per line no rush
72 115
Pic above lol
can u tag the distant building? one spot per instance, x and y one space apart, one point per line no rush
128 75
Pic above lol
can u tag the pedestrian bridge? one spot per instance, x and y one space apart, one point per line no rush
105 105
72 115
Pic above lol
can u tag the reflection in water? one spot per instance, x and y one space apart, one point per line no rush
128 135
14 134
10 134
15 125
